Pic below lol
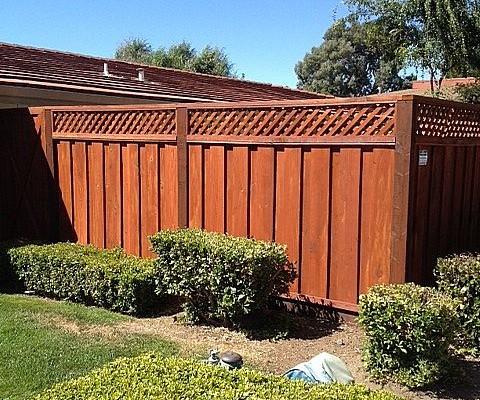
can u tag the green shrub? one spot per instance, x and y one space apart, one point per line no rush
409 332
9 281
85 274
459 277
221 277
151 377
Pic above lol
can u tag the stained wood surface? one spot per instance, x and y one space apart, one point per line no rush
336 181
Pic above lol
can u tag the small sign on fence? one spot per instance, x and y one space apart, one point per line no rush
423 157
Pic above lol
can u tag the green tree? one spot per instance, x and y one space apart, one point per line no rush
350 63
134 50
211 60
437 37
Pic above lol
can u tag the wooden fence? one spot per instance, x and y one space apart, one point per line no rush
337 181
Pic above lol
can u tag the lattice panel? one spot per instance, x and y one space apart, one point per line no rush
325 121
434 120
133 122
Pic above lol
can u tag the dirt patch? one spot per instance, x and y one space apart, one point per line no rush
274 356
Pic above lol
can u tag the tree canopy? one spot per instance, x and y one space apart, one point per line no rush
369 49
211 60
437 37
350 62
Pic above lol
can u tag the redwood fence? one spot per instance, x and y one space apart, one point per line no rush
361 191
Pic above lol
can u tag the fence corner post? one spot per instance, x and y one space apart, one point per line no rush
181 115
401 240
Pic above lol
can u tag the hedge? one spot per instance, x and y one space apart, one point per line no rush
459 277
221 277
152 377
106 278
409 333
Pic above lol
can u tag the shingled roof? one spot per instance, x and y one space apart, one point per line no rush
22 66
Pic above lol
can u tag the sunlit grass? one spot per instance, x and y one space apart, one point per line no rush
36 351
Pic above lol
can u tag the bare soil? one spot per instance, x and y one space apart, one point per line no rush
308 337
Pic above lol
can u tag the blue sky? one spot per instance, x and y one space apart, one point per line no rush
263 38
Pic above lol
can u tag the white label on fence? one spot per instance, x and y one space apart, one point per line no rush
423 157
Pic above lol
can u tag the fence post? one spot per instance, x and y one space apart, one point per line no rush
181 115
405 126
53 195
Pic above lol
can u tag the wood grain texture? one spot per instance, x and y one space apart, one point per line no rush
96 203
80 190
149 196
345 198
376 217
237 198
315 222
287 201
195 186
214 189
113 195
168 187
262 193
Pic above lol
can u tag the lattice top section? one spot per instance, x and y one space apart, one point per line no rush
320 121
438 120
128 122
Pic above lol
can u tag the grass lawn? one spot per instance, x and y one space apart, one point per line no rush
37 349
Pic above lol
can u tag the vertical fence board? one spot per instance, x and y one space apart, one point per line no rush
131 198
376 217
474 222
64 180
113 195
315 220
421 207
237 191
195 186
149 178
467 198
343 274
214 188
458 195
447 199
437 161
262 193
287 212
96 195
168 187
80 190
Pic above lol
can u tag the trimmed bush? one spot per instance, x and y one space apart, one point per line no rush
9 281
459 277
409 332
221 277
84 274
151 377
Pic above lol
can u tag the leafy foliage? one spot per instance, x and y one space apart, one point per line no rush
151 377
350 62
459 277
435 36
211 60
85 274
469 93
409 330
221 277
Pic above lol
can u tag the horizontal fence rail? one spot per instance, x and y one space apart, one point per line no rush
316 177
362 191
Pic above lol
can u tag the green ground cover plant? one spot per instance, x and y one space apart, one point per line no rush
152 376
459 277
410 331
221 277
85 274
36 351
